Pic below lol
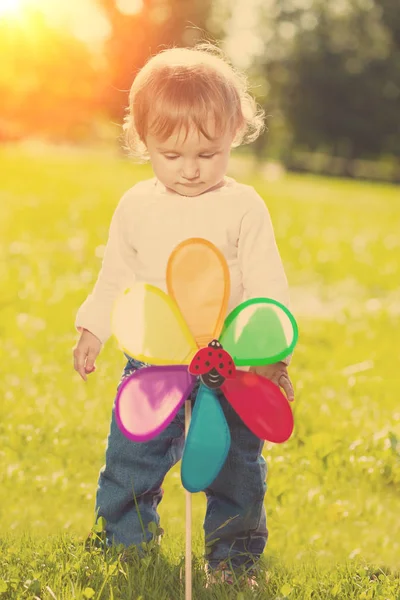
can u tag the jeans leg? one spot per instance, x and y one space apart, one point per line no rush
235 523
135 468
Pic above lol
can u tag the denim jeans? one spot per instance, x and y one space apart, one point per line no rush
235 521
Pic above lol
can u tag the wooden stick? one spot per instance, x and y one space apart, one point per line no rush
188 550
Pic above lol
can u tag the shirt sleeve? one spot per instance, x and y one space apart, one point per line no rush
262 270
116 274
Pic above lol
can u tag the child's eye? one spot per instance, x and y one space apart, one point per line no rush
201 156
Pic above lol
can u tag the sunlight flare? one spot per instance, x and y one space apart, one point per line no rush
10 7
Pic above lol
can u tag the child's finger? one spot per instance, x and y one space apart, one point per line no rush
91 357
79 363
287 386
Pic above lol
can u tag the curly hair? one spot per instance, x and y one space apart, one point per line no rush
182 87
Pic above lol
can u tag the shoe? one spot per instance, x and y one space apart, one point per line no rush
224 575
98 540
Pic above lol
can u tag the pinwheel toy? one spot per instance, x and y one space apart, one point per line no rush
187 338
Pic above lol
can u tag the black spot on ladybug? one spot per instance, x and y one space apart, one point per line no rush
220 355
230 362
207 363
221 365
197 367
230 371
210 354
198 358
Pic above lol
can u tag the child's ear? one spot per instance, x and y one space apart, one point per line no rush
239 131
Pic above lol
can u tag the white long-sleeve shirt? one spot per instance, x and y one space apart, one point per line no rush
150 221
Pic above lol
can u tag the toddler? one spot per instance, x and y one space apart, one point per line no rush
187 109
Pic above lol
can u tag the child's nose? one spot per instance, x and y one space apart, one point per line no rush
190 171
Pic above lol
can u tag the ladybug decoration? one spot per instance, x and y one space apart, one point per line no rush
213 364
188 338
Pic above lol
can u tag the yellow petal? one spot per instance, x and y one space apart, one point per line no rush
149 327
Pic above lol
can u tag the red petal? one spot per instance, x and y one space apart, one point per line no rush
261 405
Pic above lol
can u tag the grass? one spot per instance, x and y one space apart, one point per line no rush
333 488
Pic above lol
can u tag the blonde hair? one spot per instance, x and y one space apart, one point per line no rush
184 87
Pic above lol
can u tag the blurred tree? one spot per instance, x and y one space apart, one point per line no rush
391 18
48 82
333 71
135 37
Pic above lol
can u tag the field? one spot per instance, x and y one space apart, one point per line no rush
333 488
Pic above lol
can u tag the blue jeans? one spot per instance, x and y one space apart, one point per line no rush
235 521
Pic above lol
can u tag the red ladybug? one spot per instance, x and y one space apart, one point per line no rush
213 364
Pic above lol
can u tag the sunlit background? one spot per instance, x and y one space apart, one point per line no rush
327 74
325 71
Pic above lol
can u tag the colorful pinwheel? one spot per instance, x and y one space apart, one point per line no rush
186 336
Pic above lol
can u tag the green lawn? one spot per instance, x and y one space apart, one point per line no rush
333 497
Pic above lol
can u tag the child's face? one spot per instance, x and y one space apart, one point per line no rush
193 166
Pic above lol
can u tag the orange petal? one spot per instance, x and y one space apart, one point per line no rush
198 280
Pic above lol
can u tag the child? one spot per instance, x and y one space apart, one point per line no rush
187 109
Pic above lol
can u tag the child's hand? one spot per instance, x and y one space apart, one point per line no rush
85 353
278 374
